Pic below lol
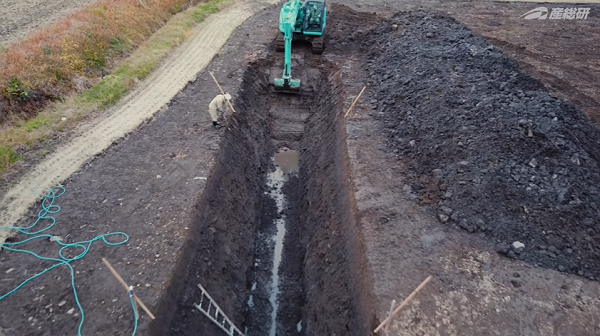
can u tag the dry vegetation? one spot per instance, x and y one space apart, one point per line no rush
76 55
53 62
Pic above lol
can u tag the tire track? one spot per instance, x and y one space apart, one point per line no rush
150 97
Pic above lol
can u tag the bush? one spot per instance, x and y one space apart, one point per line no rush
82 44
7 157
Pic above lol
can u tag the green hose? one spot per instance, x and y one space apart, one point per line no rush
48 207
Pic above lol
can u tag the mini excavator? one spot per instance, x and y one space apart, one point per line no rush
299 20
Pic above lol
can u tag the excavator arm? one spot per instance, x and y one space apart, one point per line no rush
287 21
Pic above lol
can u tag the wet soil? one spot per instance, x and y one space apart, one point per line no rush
219 251
323 281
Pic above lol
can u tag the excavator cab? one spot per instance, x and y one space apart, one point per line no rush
313 17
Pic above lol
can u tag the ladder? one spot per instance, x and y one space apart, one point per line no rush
209 307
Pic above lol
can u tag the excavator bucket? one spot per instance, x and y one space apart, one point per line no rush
287 85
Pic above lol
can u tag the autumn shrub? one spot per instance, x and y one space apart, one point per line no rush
44 67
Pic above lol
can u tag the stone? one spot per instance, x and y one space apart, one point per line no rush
443 218
446 210
556 242
518 245
533 163
502 248
562 268
515 283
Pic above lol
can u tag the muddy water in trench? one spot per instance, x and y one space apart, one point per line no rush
315 279
287 116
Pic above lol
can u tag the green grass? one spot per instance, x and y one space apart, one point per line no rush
36 122
201 12
112 88
107 92
7 157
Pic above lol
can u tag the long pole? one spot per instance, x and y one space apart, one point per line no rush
404 303
124 284
222 92
355 100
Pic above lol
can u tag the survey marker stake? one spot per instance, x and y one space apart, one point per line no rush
387 326
355 100
124 284
222 92
404 303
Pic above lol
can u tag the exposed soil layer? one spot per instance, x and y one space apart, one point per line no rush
324 286
489 147
219 250
337 283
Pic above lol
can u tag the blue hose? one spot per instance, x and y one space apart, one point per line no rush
48 207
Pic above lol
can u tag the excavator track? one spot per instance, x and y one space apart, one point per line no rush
318 45
280 43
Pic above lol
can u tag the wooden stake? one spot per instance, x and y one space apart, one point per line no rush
404 303
222 92
124 284
355 100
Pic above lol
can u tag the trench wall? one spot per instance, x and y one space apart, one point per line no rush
220 247
337 283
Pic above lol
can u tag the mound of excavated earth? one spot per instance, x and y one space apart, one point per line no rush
492 152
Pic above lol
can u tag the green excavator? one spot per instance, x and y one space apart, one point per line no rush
299 20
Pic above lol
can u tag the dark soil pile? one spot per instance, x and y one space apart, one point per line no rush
491 150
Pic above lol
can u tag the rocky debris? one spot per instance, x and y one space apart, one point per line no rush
515 162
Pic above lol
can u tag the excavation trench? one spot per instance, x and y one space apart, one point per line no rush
274 241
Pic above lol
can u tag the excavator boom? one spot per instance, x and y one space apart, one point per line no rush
287 21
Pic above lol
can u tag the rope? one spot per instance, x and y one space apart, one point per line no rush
49 208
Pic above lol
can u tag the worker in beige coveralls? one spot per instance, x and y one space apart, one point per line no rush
216 108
